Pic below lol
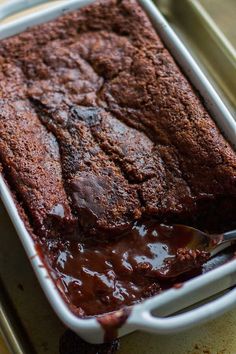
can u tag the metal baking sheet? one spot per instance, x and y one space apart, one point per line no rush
29 315
35 327
207 27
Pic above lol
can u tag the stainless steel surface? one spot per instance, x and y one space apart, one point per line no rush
223 14
10 326
213 47
29 317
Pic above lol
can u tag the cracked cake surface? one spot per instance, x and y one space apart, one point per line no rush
100 129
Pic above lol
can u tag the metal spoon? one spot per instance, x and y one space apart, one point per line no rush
212 243
188 248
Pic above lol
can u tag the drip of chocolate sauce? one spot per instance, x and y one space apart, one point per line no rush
112 322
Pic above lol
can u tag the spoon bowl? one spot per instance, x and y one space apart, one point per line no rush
191 247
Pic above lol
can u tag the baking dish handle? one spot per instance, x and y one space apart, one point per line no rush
149 322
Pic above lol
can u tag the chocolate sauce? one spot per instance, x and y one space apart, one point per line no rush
101 277
178 285
112 322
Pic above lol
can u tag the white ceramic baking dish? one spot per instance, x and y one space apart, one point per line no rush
193 291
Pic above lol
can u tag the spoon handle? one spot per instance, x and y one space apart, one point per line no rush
229 236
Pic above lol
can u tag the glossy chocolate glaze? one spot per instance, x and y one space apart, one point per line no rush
100 277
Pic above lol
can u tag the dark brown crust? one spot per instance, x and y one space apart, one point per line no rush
172 124
151 124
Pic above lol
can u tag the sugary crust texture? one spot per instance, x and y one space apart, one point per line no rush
99 127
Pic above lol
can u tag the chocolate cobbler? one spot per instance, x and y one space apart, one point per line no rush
105 144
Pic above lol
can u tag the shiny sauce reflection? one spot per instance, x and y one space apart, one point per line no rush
99 277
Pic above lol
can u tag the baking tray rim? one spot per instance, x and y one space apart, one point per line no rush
140 317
